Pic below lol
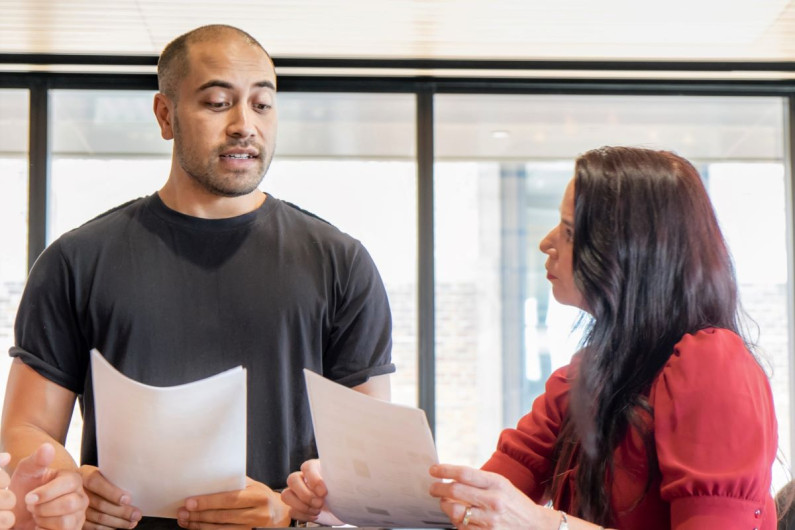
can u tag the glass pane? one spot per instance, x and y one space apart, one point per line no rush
14 109
502 165
106 150
349 158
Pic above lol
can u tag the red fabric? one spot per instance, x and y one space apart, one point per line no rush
715 434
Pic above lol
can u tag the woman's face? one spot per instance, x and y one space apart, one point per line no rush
558 245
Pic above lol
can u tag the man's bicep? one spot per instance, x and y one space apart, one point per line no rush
35 408
378 386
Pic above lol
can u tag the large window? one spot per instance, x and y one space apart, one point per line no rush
13 214
502 163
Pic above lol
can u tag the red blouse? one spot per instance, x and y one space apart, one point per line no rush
714 429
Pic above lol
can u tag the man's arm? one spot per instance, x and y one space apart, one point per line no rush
36 411
379 387
48 489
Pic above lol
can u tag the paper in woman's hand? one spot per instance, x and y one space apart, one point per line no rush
163 444
374 457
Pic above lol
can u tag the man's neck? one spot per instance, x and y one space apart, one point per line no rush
201 203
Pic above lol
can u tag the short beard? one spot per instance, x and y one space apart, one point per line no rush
205 174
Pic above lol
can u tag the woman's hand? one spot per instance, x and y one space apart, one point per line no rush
306 495
47 497
7 498
473 498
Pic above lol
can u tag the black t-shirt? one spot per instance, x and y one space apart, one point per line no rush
169 299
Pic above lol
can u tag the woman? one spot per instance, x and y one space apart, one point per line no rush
664 419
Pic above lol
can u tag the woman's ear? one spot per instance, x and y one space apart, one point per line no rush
164 112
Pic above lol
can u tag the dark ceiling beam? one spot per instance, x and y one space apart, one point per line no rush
430 64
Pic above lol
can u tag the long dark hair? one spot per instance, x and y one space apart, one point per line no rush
652 265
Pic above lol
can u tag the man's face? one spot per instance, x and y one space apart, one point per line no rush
224 118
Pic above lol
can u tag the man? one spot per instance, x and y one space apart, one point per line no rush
207 274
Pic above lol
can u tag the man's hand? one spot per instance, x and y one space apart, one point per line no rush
255 506
108 506
47 497
7 498
306 495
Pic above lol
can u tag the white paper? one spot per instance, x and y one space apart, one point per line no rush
163 444
375 457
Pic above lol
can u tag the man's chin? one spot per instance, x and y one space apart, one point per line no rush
232 193
234 186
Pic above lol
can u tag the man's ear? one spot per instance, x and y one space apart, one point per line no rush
164 112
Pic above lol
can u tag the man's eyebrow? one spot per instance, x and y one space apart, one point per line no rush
227 85
265 84
215 83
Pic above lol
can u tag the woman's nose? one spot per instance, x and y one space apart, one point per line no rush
546 243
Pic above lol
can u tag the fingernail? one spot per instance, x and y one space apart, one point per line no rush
191 504
125 499
136 516
183 515
31 498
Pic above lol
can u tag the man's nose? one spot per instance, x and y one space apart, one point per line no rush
240 122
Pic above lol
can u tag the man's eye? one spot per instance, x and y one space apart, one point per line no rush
216 104
262 106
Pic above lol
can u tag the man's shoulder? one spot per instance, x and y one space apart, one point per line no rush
105 224
313 225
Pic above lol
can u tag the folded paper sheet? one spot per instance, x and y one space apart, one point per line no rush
163 444
375 457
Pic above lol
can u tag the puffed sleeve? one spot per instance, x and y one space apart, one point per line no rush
524 454
716 434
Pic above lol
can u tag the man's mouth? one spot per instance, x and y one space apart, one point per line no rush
238 156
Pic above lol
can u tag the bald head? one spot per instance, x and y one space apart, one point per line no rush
173 64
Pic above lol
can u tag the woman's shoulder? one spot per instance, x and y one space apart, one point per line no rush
717 350
712 374
713 384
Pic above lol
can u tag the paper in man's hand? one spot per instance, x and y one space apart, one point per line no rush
163 444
